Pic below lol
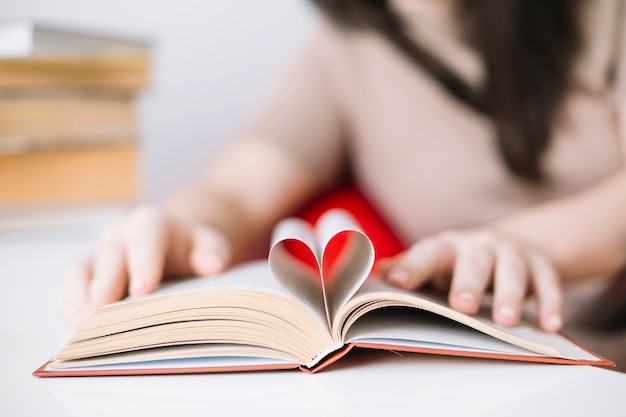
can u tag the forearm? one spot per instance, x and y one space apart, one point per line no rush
249 188
583 235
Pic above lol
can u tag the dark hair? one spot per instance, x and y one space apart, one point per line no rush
528 48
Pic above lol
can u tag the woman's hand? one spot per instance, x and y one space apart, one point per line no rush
135 254
467 264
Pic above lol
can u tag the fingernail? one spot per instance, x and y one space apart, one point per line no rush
554 322
508 314
137 287
466 301
399 276
211 263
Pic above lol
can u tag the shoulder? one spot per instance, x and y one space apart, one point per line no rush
340 54
332 42
602 28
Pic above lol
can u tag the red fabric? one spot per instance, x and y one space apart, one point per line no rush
386 243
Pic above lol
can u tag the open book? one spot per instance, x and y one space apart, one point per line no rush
307 306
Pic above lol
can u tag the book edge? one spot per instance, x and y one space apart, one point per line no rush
42 372
330 359
602 361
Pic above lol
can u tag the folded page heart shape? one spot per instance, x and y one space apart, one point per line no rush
323 265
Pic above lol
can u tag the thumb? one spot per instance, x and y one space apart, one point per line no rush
211 251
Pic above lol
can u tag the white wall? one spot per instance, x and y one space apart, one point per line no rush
214 62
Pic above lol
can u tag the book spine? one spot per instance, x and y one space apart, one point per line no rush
31 125
323 355
111 74
98 174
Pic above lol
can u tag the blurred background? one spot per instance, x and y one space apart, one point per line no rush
209 65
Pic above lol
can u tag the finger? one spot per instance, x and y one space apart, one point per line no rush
421 262
547 286
146 246
109 279
510 285
384 265
210 252
74 294
472 273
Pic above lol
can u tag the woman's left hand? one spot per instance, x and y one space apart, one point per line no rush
467 264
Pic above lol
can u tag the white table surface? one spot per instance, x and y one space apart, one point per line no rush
31 328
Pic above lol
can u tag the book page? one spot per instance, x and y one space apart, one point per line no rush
292 240
421 329
253 275
243 306
170 357
378 295
348 258
341 258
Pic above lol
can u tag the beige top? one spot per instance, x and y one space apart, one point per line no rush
427 161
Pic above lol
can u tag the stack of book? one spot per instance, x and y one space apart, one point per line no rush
68 131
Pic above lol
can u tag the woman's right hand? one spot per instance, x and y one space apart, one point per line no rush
135 254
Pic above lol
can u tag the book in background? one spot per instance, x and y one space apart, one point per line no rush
68 130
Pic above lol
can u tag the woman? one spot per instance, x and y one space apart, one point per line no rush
488 133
